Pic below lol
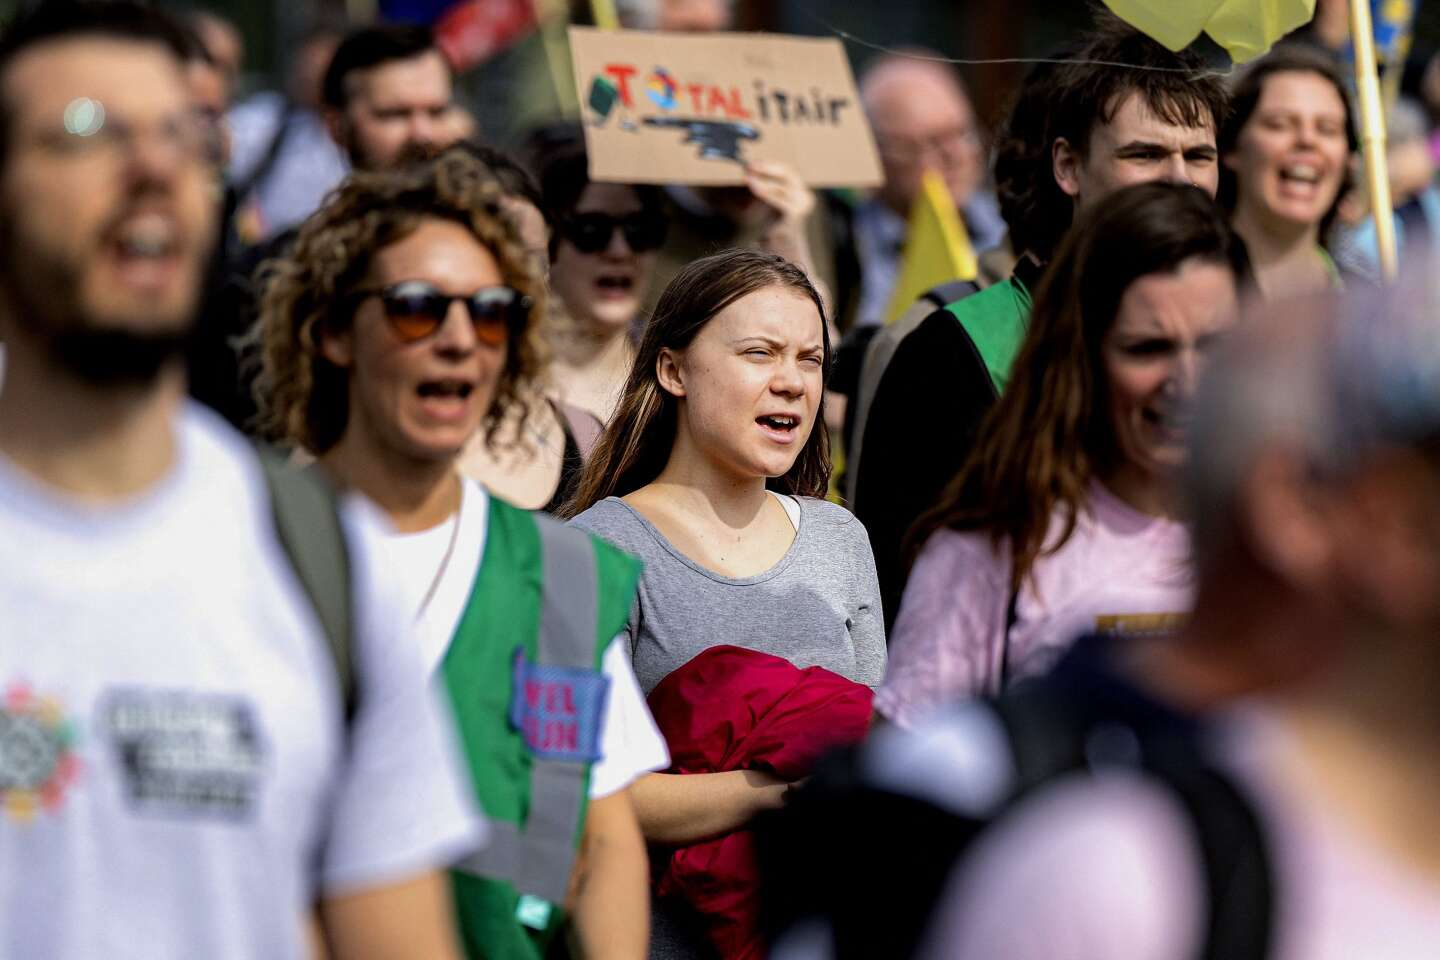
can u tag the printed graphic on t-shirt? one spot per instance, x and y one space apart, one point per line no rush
188 754
1139 624
37 755
558 710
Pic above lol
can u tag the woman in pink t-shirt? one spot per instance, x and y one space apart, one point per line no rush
1062 520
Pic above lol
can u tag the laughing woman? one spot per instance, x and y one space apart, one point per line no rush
1062 521
712 471
1285 152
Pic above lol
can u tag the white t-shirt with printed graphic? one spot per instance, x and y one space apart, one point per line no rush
630 743
176 778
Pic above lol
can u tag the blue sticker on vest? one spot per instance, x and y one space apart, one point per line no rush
558 710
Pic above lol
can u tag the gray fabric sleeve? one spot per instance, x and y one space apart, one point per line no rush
868 629
849 550
616 527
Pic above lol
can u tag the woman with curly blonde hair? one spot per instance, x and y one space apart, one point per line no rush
304 394
403 322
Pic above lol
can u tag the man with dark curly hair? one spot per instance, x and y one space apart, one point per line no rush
1079 131
404 321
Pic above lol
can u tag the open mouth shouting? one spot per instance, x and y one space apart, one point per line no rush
145 248
779 427
1301 180
1169 421
446 399
614 286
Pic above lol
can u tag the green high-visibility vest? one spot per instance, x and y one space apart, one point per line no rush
523 673
995 320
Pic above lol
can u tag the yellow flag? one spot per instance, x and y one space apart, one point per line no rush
604 13
1245 28
937 248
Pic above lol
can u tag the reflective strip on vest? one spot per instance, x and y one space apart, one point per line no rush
537 860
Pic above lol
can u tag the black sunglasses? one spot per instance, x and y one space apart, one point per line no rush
591 232
416 309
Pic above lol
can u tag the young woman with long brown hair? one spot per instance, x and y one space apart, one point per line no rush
1062 520
713 471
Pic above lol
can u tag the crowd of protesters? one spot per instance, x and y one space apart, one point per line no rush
414 548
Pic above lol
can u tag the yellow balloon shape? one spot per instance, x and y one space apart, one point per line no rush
1245 28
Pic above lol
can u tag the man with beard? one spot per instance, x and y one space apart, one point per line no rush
387 87
177 775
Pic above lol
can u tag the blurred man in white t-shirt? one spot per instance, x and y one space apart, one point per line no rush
177 775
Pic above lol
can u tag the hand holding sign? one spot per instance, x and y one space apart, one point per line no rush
705 109
790 203
780 187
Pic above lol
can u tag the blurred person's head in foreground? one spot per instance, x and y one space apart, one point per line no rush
1314 490
386 88
1314 494
602 250
403 321
1285 152
728 382
1101 385
107 209
1155 118
922 120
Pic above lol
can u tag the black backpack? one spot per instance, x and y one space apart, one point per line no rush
869 860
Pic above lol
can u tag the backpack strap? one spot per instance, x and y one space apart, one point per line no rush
1012 617
306 511
947 293
1049 726
266 164
1239 880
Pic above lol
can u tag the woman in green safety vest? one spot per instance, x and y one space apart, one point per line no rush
405 320
1285 153
713 471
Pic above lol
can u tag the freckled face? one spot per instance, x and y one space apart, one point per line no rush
1166 327
750 383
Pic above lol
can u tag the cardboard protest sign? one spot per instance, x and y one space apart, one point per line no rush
693 108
